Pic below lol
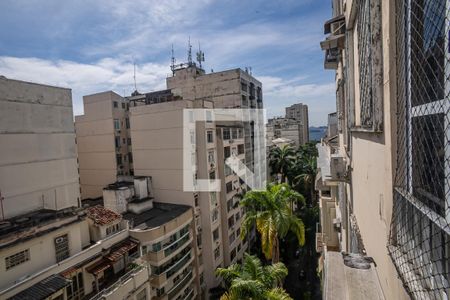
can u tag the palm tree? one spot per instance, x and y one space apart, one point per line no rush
280 160
271 211
252 280
305 172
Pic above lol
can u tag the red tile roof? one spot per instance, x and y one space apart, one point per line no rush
120 250
101 215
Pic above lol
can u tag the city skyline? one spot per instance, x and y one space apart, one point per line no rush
91 48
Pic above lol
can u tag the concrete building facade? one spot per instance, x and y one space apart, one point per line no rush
382 185
38 165
294 126
103 141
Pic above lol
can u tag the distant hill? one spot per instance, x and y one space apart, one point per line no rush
316 133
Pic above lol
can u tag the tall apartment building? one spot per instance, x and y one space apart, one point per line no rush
384 187
163 160
50 248
294 126
103 141
156 134
299 112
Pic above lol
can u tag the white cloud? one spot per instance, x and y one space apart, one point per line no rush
84 79
279 93
117 74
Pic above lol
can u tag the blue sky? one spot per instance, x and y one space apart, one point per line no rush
90 46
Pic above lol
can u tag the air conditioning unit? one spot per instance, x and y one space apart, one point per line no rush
59 240
319 242
338 168
337 224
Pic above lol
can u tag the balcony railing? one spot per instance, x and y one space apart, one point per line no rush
180 285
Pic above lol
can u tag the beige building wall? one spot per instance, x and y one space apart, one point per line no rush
157 135
38 161
100 139
370 155
41 252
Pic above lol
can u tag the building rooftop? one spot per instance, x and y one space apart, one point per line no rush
36 223
160 214
101 215
43 289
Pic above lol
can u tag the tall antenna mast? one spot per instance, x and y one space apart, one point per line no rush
200 56
134 75
172 67
189 52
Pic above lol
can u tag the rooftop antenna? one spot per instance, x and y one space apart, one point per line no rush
200 56
172 67
134 76
189 52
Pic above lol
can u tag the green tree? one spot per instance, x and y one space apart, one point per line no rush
270 210
281 159
252 280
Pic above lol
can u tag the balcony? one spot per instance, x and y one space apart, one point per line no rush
125 285
180 285
160 278
169 248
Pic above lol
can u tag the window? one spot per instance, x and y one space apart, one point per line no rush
230 222
419 229
209 117
229 187
115 104
212 175
229 205
130 157
216 234
17 259
129 141
234 134
238 216
119 159
238 232
241 149
240 133
244 86
227 170
123 105
244 100
124 141
62 247
127 123
116 124
209 136
226 152
199 240
231 238
211 159
142 295
156 247
196 200
160 292
213 198
217 253
215 215
112 229
117 141
369 61
232 254
226 134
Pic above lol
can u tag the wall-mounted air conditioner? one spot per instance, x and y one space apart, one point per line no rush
338 168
